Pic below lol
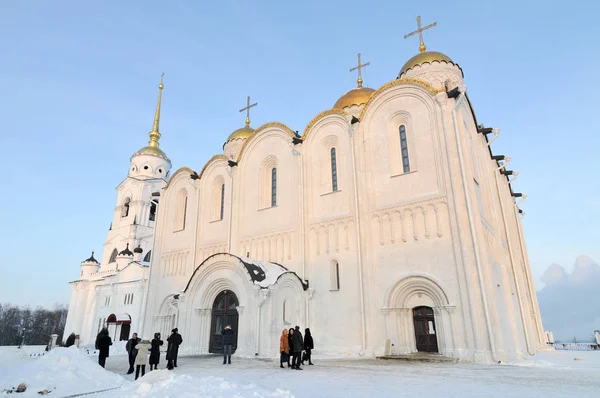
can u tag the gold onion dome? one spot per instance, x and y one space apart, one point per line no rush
241 134
424 58
152 147
356 96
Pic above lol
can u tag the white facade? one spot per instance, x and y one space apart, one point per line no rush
378 253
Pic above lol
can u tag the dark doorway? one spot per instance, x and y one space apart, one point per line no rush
224 312
125 328
425 333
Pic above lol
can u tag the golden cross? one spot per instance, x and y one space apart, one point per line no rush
359 67
247 109
420 30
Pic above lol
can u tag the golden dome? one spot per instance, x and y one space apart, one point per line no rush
241 134
356 96
152 150
425 57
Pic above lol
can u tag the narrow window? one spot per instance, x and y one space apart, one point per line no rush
181 211
125 209
131 298
274 187
125 300
113 256
152 216
404 147
222 201
334 184
334 282
284 311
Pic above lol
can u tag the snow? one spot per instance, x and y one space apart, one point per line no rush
272 271
67 371
63 371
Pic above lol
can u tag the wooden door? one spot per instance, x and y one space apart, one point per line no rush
425 333
224 312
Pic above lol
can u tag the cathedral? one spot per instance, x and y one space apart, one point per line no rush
388 227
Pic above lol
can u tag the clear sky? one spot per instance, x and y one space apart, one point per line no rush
79 85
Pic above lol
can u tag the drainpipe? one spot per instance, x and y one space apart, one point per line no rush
484 300
359 243
512 263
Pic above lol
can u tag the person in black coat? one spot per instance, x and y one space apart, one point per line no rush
297 347
227 344
103 342
131 351
155 351
290 334
174 341
309 345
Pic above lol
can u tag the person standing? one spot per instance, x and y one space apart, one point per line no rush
131 351
290 356
284 348
141 357
309 345
174 341
227 344
297 347
103 342
155 345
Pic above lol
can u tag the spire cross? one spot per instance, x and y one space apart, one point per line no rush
420 30
359 68
247 109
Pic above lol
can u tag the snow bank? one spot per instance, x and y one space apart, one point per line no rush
118 348
63 371
165 383
562 359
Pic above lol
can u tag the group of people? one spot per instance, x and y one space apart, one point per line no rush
292 345
138 349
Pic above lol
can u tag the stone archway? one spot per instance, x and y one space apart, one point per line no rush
418 316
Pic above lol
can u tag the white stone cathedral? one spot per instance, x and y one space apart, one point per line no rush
388 227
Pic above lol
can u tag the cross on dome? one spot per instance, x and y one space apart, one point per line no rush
420 30
359 68
247 109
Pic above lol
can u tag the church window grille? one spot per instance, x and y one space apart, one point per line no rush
222 212
274 187
334 282
404 148
148 256
334 182
113 256
125 209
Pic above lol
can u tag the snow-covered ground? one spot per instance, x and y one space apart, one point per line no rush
70 371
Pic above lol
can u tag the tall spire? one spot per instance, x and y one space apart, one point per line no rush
155 134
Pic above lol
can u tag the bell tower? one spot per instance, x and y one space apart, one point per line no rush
137 200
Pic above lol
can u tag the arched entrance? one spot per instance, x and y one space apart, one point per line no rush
119 326
425 334
224 312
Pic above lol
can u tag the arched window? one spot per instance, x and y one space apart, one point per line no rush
334 184
125 208
222 212
274 187
334 276
181 210
148 257
113 256
404 148
152 215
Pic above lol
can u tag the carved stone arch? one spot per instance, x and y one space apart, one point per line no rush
408 222
377 226
272 129
416 284
323 118
183 172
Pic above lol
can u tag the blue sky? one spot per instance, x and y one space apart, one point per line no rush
79 82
